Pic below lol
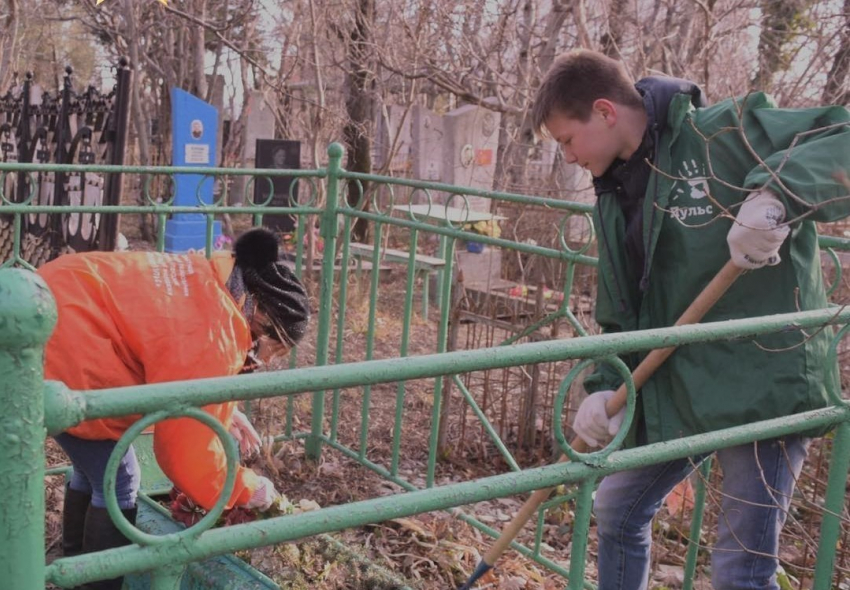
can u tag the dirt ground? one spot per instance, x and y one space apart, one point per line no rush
436 550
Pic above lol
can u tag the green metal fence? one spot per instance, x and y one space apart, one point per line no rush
35 409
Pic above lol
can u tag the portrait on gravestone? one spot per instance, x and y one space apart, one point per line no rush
278 154
197 129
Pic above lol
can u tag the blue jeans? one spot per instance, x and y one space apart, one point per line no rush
89 459
758 480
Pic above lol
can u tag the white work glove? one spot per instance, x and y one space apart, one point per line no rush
592 424
756 235
244 432
264 496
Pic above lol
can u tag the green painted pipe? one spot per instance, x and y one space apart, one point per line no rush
27 318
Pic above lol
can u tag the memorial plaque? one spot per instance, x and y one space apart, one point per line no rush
469 154
194 141
278 154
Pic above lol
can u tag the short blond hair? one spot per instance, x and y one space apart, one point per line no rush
576 80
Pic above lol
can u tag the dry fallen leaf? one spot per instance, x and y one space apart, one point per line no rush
681 498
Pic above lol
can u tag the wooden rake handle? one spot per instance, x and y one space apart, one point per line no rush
692 315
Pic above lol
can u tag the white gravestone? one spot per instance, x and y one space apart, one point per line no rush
469 157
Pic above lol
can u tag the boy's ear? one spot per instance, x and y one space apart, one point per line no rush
605 109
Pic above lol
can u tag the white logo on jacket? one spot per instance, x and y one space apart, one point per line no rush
692 186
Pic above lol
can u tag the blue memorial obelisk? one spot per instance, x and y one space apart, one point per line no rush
194 132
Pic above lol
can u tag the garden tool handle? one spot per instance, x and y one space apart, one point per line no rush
692 315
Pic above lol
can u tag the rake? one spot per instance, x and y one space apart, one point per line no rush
692 315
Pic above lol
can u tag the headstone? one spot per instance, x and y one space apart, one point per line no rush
469 159
393 140
427 135
259 124
277 154
472 141
194 129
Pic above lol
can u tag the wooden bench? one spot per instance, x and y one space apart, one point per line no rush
423 264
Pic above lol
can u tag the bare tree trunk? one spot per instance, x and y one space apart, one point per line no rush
777 28
136 110
359 106
517 149
199 79
709 19
8 41
612 39
580 15
211 87
694 45
317 125
666 54
317 66
239 129
835 91
170 74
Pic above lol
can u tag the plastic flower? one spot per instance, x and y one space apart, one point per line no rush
488 228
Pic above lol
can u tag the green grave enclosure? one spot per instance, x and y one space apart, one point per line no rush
35 409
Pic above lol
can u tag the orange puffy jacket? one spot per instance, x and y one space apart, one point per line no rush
131 318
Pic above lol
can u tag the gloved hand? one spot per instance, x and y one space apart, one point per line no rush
592 424
244 432
264 496
756 235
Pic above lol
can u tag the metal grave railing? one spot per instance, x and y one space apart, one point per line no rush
35 409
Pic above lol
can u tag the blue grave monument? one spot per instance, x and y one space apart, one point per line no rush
194 133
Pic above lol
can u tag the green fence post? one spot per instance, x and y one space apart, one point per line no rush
696 525
167 578
833 508
328 230
27 317
581 524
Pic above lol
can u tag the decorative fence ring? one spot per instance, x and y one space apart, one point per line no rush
465 210
131 532
562 238
344 194
27 200
412 215
429 199
312 195
376 205
146 190
600 456
215 202
248 195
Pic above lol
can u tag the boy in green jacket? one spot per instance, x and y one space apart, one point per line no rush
680 188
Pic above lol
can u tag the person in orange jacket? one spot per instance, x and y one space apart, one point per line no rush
132 318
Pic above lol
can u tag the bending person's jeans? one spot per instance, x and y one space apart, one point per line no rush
755 496
89 458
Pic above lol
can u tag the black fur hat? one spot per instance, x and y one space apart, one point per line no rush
278 292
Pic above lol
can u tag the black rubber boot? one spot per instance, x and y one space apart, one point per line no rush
102 534
74 521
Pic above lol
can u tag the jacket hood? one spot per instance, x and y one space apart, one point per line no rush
658 92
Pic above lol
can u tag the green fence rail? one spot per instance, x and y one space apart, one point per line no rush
35 409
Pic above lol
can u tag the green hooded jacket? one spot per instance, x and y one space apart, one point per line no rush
707 166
